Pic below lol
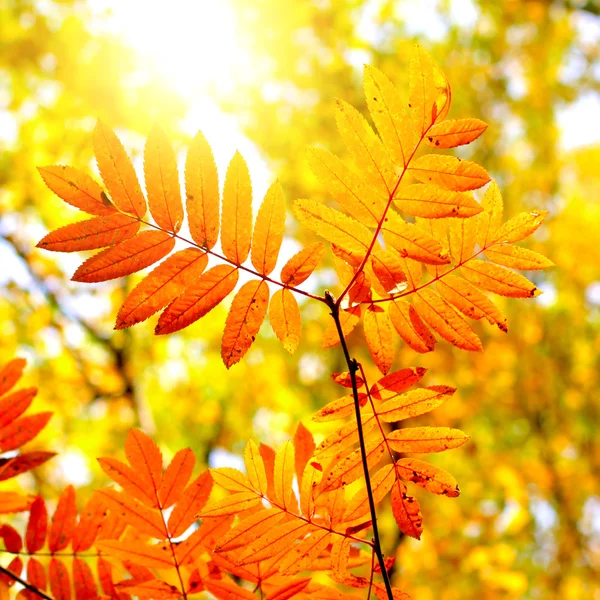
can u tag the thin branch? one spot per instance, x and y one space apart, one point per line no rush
25 584
353 368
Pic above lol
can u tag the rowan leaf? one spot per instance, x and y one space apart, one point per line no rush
161 286
387 269
339 409
283 475
302 264
91 519
290 589
22 430
422 440
517 258
145 457
37 526
60 582
382 594
255 468
226 590
153 557
381 483
201 297
25 461
449 172
349 319
176 477
461 236
499 280
389 116
379 337
430 477
429 92
304 448
520 227
246 315
432 202
202 192
285 319
162 181
470 301
156 589
406 511
393 384
117 172
193 500
99 232
345 380
12 502
366 149
445 321
410 327
129 479
334 226
455 132
268 230
351 192
236 230
64 521
488 221
231 505
302 555
231 479
77 189
125 258
250 529
14 405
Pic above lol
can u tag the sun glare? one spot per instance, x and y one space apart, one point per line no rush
194 45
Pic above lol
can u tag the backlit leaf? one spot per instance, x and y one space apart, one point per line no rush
284 473
414 403
410 327
432 202
250 529
255 468
189 505
430 477
339 409
449 172
407 511
22 430
381 483
302 264
379 337
37 526
518 258
285 319
60 582
349 319
521 226
488 222
154 557
453 133
499 280
393 384
176 477
64 521
422 440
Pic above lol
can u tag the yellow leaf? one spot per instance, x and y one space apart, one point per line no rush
453 133
410 327
379 337
231 479
302 264
250 529
462 235
407 511
236 231
381 483
268 230
284 473
349 319
432 202
339 409
422 440
231 505
202 192
520 227
519 258
162 181
433 479
499 280
285 319
488 221
255 468
301 556
414 403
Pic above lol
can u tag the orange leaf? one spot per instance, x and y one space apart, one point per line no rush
10 373
90 521
387 268
381 593
202 193
488 222
159 590
449 172
203 538
302 555
135 514
64 521
433 479
161 286
36 576
192 501
77 189
162 181
285 319
35 536
83 581
453 133
98 232
231 479
379 337
312 476
153 557
232 505
345 380
245 317
145 457
414 403
60 582
11 537
345 437
410 327
268 230
461 237
199 299
226 590
304 447
176 477
250 529
407 511
284 473
12 502
129 480
236 232
117 172
255 467
445 321
22 430
393 384
15 404
302 264
431 202
499 280
128 257
422 440
290 589
381 483
22 463
521 226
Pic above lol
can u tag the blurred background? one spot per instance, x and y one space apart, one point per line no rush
261 76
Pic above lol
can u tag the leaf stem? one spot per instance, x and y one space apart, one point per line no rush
26 585
353 367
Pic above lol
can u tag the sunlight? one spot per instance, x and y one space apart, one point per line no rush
195 46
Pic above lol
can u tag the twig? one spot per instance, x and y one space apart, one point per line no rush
26 585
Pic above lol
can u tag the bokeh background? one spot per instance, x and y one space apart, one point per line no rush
261 76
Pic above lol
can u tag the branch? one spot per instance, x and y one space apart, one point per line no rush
26 585
353 367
